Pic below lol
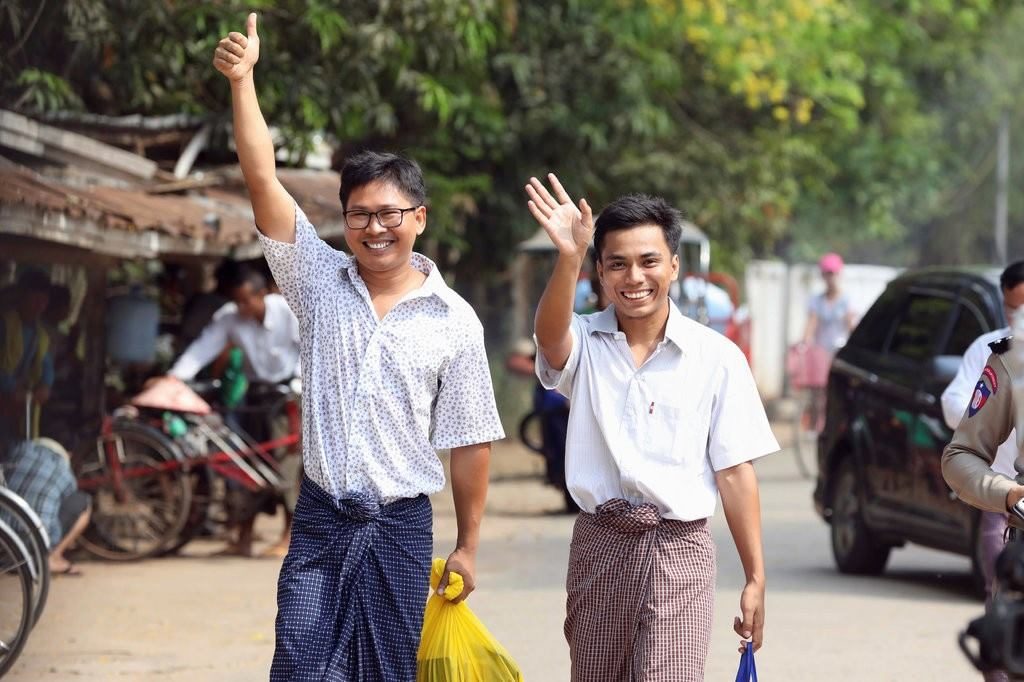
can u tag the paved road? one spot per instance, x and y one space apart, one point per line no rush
198 618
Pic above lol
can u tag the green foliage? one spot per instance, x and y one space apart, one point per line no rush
780 126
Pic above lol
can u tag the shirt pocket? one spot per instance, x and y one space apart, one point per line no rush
661 432
675 437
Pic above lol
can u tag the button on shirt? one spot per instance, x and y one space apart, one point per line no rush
658 433
381 396
957 396
271 347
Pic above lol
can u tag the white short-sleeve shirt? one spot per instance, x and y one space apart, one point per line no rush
271 346
657 433
381 396
957 396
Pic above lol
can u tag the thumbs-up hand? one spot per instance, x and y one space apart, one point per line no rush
236 54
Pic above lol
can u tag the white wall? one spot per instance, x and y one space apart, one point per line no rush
777 297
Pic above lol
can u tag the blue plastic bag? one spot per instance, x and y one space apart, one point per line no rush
747 671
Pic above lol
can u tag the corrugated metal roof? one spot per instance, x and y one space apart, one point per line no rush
131 210
127 220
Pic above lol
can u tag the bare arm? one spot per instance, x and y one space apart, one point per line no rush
469 471
202 351
811 328
554 313
742 504
274 208
570 229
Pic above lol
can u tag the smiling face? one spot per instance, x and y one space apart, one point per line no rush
636 269
381 249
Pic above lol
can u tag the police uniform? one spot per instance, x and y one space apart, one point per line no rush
996 408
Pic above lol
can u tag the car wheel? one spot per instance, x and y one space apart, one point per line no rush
853 547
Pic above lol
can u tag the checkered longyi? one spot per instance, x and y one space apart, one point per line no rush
640 596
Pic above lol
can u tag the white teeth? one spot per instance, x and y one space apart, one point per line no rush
637 295
378 245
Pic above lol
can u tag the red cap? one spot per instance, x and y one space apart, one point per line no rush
831 262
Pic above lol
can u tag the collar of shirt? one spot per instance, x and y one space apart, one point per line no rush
433 286
606 322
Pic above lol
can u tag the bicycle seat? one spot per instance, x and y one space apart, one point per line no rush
168 393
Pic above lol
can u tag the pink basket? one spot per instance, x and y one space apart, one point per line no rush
808 365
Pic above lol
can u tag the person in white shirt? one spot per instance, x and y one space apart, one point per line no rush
664 417
259 323
957 397
394 369
263 326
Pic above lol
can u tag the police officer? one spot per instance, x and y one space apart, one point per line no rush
956 398
995 409
996 406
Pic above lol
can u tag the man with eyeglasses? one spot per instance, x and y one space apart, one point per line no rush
394 369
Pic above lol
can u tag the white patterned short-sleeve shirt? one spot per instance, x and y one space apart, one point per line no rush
381 396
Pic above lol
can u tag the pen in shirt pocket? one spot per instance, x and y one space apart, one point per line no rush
651 411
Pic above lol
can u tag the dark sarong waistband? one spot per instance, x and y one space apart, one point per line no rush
620 515
355 506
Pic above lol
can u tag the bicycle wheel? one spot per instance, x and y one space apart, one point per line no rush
27 525
16 576
805 434
531 432
198 517
148 512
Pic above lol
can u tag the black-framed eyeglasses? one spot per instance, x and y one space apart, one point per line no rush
389 218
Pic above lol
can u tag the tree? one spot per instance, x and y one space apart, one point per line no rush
781 126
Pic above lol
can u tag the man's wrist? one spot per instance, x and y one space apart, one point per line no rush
573 260
468 546
243 82
1013 496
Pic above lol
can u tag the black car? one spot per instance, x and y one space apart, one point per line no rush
880 481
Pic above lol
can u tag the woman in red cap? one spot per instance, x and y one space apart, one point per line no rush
830 319
829 316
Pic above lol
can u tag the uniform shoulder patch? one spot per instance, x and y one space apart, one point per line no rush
1001 346
988 386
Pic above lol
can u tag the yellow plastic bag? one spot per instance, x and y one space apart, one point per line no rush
455 646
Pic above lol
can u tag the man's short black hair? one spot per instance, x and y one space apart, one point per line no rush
1013 276
634 210
400 172
244 275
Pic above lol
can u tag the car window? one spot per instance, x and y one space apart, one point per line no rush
968 327
984 305
924 317
873 330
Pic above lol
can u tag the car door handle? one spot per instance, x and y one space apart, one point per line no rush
924 398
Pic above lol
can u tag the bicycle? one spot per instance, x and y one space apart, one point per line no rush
153 471
540 433
28 527
17 575
807 366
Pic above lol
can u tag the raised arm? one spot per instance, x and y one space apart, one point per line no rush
570 229
274 208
